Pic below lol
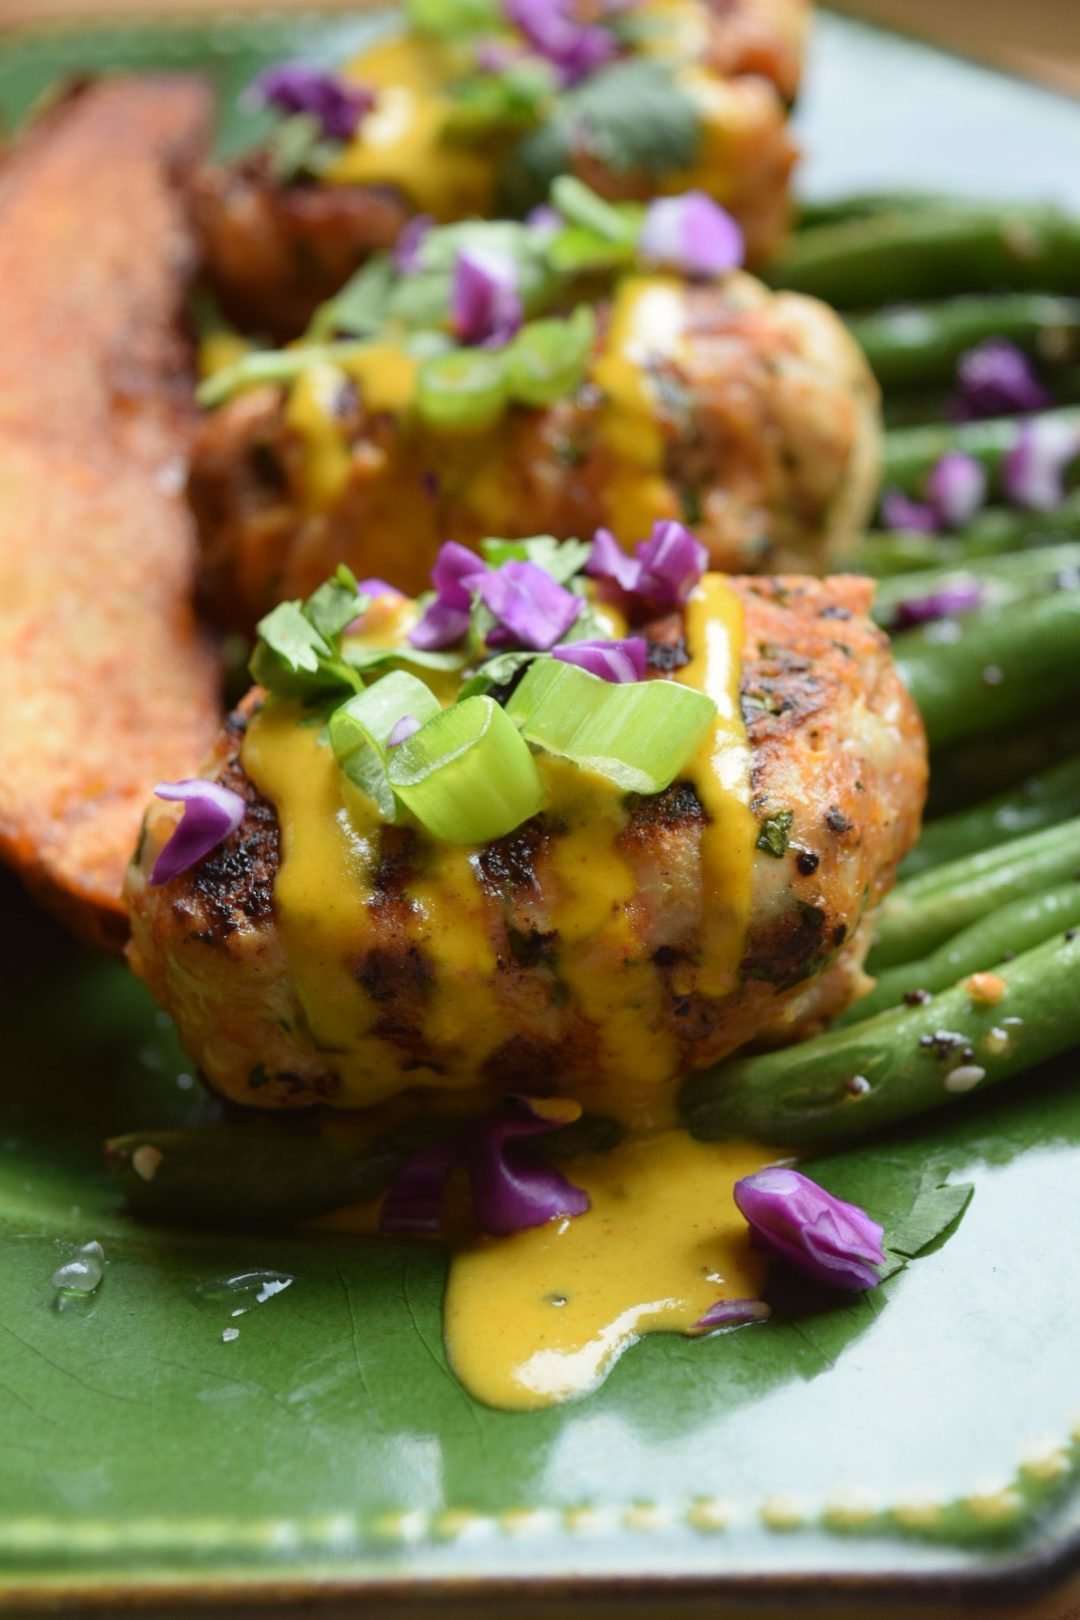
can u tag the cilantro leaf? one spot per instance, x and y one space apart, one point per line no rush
336 603
935 1209
632 116
562 559
774 834
359 309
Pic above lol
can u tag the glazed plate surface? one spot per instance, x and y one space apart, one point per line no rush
929 1433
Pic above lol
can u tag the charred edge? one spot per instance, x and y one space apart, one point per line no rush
792 950
678 806
509 865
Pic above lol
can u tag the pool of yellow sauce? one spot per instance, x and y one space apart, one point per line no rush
542 1316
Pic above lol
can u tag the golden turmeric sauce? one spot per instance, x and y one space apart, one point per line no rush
647 324
542 1316
330 916
721 773
403 140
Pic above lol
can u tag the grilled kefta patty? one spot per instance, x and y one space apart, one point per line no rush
759 425
838 776
275 250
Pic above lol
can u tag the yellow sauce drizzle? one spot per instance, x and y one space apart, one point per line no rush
662 1242
329 917
647 321
403 140
721 774
310 413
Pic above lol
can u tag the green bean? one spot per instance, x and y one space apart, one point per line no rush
244 1175
1040 801
994 532
1000 581
813 215
843 1085
912 452
985 943
918 345
967 773
887 258
923 912
999 668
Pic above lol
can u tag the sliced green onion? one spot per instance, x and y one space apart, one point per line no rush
576 250
465 389
270 366
639 735
548 359
467 775
580 205
360 732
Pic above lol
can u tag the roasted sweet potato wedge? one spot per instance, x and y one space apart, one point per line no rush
106 681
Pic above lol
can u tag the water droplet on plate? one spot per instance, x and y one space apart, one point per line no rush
241 1293
82 1273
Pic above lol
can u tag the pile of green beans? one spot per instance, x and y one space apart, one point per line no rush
977 950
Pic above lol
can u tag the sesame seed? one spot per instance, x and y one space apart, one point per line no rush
964 1078
992 675
917 998
997 1041
146 1160
858 1085
229 1334
986 989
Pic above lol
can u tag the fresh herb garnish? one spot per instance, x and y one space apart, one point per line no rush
632 117
298 653
774 834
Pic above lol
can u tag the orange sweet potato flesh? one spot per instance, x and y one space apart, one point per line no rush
107 683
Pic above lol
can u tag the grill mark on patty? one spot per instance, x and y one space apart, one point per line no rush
508 866
678 806
235 883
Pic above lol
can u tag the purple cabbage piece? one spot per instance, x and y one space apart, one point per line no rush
607 560
996 379
299 87
797 1221
899 511
533 610
402 730
663 571
485 305
211 813
407 248
374 588
617 661
574 49
956 489
692 234
672 562
511 1192
413 1205
1034 469
446 619
544 218
733 1313
945 604
441 626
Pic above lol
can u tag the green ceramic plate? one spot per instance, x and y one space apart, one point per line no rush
923 1438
